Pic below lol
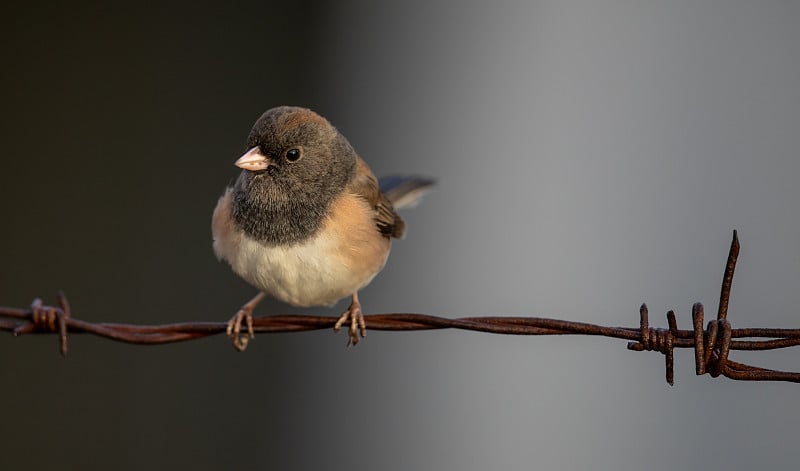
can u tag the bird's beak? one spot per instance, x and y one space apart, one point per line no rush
253 160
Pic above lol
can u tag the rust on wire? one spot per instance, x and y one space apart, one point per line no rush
711 343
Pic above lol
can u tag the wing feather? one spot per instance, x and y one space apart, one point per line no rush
387 221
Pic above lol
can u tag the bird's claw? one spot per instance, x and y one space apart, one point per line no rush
245 316
358 325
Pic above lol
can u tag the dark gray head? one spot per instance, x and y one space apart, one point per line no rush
296 164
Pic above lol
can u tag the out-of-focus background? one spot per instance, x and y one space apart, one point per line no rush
591 155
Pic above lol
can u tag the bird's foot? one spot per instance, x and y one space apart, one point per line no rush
235 329
244 316
354 315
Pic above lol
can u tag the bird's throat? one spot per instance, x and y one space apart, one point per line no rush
277 221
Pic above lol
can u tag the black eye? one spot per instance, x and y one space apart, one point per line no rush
293 155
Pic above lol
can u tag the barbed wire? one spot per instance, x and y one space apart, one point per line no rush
712 345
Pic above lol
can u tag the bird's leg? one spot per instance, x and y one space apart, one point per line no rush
356 318
245 315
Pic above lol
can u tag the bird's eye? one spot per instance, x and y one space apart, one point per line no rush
293 155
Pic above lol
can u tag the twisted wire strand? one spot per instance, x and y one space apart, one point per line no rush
712 344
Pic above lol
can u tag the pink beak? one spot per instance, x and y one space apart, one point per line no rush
253 160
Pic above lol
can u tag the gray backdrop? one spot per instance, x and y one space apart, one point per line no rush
591 156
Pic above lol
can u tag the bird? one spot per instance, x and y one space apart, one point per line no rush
306 221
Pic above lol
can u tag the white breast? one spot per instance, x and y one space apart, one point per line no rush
301 275
342 258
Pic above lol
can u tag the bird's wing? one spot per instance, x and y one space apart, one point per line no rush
366 185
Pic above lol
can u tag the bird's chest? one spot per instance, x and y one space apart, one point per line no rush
303 274
340 259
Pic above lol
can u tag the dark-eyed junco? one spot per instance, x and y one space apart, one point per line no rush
306 221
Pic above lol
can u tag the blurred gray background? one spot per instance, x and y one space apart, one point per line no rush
591 155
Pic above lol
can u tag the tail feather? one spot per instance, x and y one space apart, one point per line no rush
404 191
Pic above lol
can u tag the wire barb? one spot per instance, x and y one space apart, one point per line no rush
712 345
660 340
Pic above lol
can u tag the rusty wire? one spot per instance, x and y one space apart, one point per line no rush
712 345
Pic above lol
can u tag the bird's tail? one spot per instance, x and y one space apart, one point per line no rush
405 192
